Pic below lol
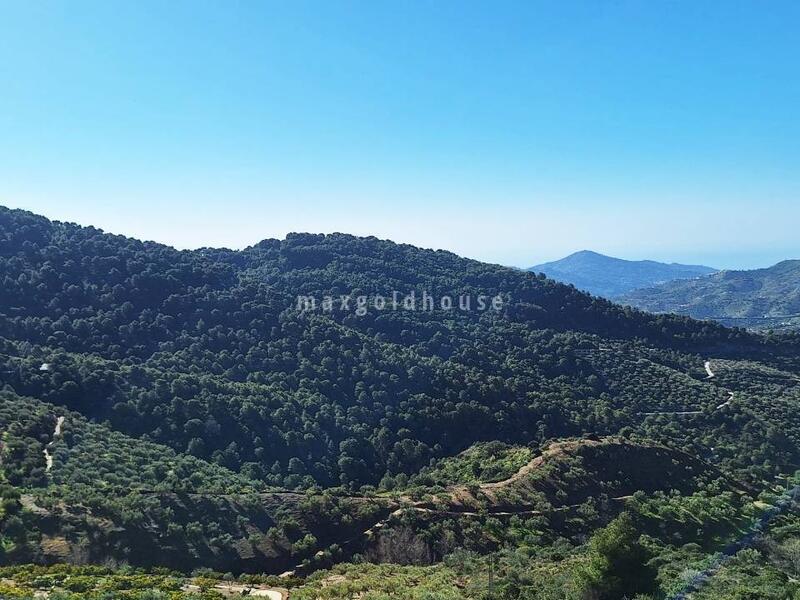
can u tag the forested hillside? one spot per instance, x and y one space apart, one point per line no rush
206 352
197 398
758 299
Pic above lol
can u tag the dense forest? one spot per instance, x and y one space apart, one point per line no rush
203 420
205 351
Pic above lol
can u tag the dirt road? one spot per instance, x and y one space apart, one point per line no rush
235 590
708 369
48 458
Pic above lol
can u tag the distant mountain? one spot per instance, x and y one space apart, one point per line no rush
759 299
611 277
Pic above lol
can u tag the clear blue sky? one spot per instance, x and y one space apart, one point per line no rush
513 132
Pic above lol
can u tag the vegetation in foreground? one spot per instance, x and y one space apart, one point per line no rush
653 550
173 409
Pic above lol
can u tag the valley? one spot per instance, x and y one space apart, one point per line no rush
399 300
194 434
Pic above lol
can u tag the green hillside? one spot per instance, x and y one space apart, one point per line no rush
206 352
208 422
759 299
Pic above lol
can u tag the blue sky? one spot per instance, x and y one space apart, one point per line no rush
513 132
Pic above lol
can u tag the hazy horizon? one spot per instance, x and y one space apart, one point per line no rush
400 241
514 134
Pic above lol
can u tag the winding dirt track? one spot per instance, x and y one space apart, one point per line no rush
728 401
711 375
707 366
457 491
238 591
48 458
530 466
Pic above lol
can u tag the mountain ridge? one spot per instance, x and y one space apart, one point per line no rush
184 374
610 277
758 298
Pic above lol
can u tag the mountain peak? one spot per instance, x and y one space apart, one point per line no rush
588 253
610 276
